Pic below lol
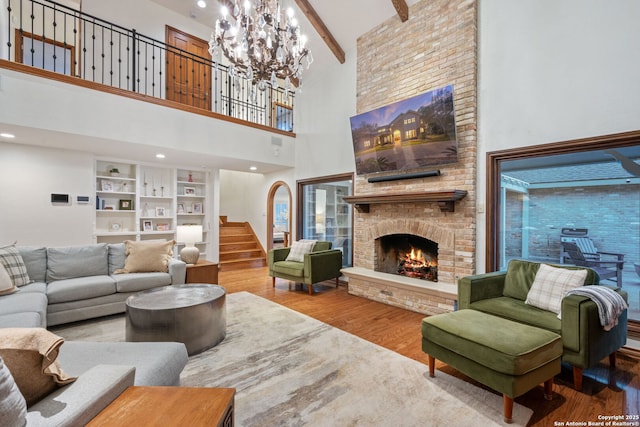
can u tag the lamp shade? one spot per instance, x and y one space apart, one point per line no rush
189 234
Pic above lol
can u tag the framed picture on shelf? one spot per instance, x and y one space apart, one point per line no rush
147 225
181 208
160 211
115 227
162 226
106 185
197 208
189 191
125 205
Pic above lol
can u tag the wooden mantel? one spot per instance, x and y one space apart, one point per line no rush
445 199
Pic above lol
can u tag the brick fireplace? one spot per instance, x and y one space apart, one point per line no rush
434 48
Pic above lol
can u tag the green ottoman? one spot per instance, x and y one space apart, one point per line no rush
507 356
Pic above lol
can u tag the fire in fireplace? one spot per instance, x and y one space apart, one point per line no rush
407 255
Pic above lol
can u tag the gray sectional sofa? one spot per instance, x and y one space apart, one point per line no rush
77 282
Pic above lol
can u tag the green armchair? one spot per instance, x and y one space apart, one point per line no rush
585 342
322 263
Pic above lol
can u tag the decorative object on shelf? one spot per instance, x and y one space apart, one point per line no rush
145 211
190 177
197 208
262 43
125 205
124 187
106 185
189 191
163 226
114 172
115 227
109 207
160 211
189 235
147 225
180 208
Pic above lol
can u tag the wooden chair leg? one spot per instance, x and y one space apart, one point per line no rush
612 360
577 378
310 288
508 409
337 282
273 281
432 366
548 389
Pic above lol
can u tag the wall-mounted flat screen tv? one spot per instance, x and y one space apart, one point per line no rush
407 135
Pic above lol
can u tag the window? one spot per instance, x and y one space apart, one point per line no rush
541 197
44 53
324 215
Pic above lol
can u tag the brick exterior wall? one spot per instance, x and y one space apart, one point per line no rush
436 47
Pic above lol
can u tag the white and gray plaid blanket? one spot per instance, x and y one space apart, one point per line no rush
610 303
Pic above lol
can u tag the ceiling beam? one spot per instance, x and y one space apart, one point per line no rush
401 8
322 29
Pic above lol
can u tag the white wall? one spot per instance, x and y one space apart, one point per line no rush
552 71
28 176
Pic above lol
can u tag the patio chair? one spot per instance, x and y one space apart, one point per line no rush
607 269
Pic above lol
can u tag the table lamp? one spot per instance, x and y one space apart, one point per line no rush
189 235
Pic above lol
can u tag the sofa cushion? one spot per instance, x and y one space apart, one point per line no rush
519 278
116 257
146 257
80 288
134 282
25 302
13 407
321 245
514 309
35 259
12 260
25 319
77 261
30 354
299 249
290 268
551 284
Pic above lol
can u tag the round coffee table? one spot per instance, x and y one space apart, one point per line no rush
193 314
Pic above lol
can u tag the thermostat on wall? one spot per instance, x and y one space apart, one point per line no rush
82 199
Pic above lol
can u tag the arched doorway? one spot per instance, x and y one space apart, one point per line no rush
279 215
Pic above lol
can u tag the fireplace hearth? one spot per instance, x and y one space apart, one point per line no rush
407 255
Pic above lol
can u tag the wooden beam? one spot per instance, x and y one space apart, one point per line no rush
322 29
401 8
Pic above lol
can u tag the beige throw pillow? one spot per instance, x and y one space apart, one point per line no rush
299 249
551 285
147 257
31 356
6 285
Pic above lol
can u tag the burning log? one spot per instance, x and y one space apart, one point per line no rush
415 265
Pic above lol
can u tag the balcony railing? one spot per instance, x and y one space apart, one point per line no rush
54 37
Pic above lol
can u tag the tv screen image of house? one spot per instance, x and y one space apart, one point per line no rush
407 135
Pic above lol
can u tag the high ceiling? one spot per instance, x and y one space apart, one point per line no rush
344 20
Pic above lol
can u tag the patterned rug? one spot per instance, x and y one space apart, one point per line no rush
289 369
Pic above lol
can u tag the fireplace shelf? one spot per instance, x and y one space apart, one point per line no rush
445 199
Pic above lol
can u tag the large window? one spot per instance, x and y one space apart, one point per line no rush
324 215
572 202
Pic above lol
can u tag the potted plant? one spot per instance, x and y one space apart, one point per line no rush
114 172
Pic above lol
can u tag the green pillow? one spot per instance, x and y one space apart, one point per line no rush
519 278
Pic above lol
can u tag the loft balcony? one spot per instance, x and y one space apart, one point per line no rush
54 41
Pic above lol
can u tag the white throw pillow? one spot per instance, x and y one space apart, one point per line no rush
550 286
299 249
6 285
11 259
13 407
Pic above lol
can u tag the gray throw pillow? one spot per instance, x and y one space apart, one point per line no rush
13 407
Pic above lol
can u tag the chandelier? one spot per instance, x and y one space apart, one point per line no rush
262 43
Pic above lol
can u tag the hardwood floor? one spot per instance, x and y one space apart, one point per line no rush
605 392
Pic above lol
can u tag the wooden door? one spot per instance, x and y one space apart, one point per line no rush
188 69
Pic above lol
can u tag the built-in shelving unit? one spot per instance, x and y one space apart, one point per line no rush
140 202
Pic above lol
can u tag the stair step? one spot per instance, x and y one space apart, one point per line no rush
237 238
240 255
242 264
237 246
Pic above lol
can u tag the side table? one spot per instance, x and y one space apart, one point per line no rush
202 272
169 406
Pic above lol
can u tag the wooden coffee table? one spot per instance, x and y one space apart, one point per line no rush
169 406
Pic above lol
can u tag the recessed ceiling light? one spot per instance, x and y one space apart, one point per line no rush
7 135
202 4
253 168
160 156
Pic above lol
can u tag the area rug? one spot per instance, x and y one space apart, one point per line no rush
289 369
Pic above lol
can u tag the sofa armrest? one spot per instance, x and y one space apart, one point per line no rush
178 271
322 265
79 402
583 337
278 254
479 287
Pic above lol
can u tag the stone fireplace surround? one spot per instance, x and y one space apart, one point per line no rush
410 293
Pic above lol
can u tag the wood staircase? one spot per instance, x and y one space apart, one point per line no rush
239 246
